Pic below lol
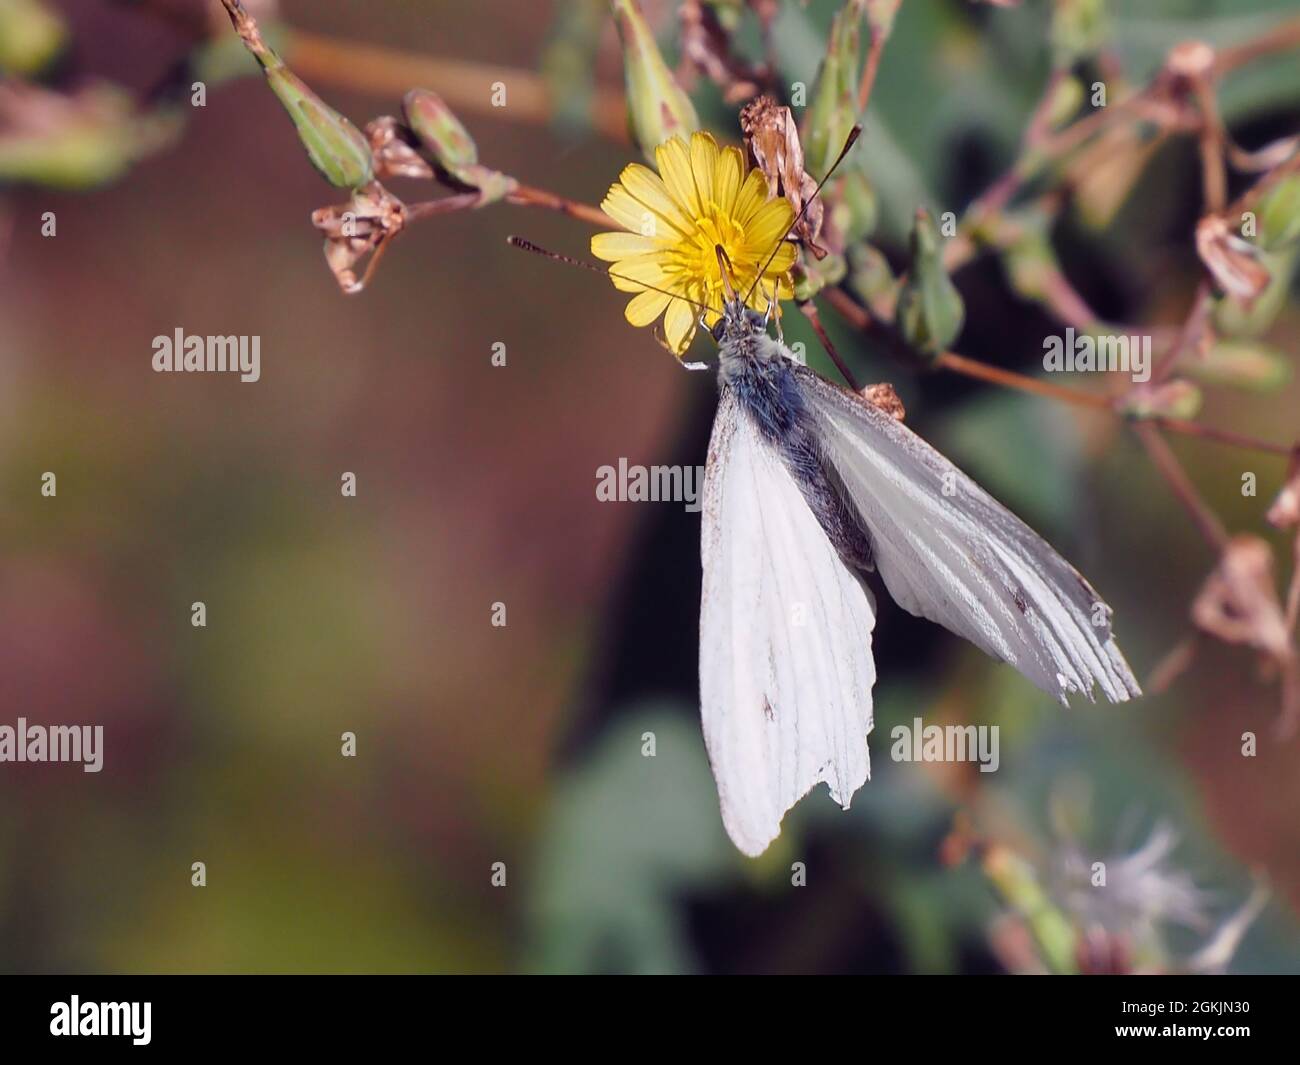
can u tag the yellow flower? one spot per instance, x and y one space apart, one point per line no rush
702 197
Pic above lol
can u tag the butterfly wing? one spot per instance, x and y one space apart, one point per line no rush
785 640
949 552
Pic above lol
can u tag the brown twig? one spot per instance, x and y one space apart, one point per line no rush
415 212
1281 37
1252 195
1214 169
535 197
815 319
875 49
1171 469
1189 336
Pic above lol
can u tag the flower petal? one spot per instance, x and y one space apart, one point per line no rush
645 307
727 178
641 204
614 246
674 161
768 225
634 274
704 163
679 325
752 196
782 260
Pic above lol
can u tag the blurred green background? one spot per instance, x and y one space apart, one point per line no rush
522 744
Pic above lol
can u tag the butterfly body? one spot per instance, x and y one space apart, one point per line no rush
769 387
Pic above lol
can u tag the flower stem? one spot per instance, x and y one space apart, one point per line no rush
535 197
1171 469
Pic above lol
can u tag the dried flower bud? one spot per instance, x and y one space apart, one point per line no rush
885 398
1241 364
813 275
1238 603
880 17
1166 399
1234 263
334 145
657 106
930 309
393 153
443 136
1079 30
1235 316
439 130
1284 513
359 228
772 136
31 35
706 31
1190 60
1278 214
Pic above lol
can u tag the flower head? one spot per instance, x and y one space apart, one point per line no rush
674 221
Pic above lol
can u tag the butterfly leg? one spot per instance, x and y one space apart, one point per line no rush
771 310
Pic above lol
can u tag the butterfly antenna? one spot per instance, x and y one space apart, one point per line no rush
849 142
596 268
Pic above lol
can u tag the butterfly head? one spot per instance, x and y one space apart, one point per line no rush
738 321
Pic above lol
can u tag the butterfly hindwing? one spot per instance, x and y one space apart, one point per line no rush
785 640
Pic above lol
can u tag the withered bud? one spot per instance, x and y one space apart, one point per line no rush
359 228
442 135
772 136
1190 60
1285 510
1233 262
706 46
1178 398
1238 603
393 152
886 399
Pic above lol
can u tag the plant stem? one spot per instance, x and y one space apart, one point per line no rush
535 197
815 319
1171 469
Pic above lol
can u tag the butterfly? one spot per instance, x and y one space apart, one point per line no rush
808 488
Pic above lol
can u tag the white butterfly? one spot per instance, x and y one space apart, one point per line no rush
807 487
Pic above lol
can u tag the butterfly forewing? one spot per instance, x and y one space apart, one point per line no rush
949 552
785 640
